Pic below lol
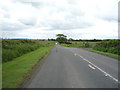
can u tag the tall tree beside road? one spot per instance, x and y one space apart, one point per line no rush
61 38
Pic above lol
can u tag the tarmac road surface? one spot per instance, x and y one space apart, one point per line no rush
75 68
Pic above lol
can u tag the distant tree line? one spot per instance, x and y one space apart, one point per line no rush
51 39
86 40
61 38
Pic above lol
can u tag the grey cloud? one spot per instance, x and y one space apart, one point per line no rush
6 26
110 15
5 8
28 21
111 19
118 16
119 11
74 20
69 26
35 4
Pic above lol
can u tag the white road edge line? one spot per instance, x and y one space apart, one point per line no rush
91 66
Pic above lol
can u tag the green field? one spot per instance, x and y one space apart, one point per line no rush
80 44
109 48
16 70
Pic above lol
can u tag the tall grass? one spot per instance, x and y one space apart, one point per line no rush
80 44
111 46
15 48
17 70
106 47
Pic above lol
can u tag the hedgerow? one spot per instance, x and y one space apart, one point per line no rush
15 48
111 46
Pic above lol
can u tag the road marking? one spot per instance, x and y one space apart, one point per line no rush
75 54
106 74
91 66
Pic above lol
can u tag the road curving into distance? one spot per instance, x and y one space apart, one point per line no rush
75 68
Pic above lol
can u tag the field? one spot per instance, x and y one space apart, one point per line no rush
106 47
80 44
16 69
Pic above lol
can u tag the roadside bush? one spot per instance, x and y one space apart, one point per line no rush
9 54
86 44
68 43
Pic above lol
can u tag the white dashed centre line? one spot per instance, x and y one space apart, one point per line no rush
75 54
91 66
106 74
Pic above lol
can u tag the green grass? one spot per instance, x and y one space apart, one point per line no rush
15 71
91 45
79 44
0 76
105 53
12 49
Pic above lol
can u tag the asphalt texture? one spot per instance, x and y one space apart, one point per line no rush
75 68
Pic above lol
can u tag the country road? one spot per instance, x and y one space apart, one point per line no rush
75 68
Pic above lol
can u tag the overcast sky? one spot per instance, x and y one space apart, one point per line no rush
43 19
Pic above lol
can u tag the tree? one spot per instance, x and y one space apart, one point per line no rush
70 39
51 39
61 38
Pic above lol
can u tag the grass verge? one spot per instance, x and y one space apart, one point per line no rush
104 53
96 51
15 71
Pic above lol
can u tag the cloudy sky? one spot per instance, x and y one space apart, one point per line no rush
43 19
